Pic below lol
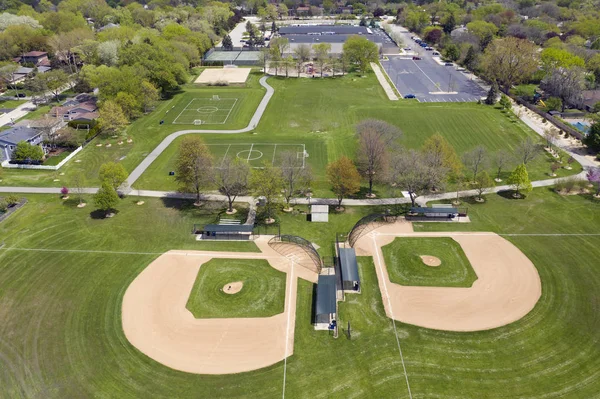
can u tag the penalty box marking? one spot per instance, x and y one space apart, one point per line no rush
210 104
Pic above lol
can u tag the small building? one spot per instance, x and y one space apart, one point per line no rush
37 58
438 213
76 111
11 137
325 304
224 232
349 269
319 213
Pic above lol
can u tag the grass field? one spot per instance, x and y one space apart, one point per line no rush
262 295
322 114
404 265
61 334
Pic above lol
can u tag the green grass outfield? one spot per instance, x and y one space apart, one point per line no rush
404 265
60 312
262 295
321 114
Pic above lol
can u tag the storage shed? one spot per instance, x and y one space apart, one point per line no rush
319 213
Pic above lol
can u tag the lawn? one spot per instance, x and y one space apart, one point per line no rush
405 266
11 103
60 317
262 294
322 113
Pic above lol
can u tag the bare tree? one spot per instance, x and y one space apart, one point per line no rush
375 139
475 160
410 171
527 150
302 53
296 175
502 159
551 136
566 84
231 178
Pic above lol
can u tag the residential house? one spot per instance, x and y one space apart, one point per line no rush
48 126
80 108
37 58
589 99
11 137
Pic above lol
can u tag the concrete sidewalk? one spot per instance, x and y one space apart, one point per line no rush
384 83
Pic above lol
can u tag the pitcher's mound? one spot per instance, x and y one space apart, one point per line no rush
431 260
233 288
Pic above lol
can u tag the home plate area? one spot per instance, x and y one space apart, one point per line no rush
257 154
213 110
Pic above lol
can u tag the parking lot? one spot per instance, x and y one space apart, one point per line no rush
428 79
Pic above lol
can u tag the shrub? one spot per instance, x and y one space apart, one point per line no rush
12 200
3 205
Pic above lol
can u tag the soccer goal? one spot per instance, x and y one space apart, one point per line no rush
197 121
216 97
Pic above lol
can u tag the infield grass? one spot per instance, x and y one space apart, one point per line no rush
60 312
262 293
405 266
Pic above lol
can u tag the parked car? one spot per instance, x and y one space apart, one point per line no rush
436 53
410 96
20 95
416 58
449 64
429 48
407 48
423 44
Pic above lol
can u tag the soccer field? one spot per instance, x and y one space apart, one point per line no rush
206 111
257 154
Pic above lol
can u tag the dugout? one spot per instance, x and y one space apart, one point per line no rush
348 267
325 306
224 232
437 213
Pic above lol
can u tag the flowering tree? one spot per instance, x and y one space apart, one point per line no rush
64 191
593 176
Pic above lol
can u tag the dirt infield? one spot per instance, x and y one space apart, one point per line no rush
157 322
228 75
507 288
431 261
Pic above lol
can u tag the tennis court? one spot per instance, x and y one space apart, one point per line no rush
257 154
206 111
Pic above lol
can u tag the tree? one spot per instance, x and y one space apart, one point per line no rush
55 80
592 139
344 178
114 173
231 178
433 36
302 52
26 152
108 52
475 160
375 139
441 155
519 180
7 69
263 57
193 166
471 59
554 167
483 182
566 84
111 119
551 135
295 174
502 159
484 31
106 199
227 44
452 52
279 46
411 172
321 51
360 51
505 102
150 95
267 182
510 61
78 181
527 150
288 62
492 94
593 176
64 192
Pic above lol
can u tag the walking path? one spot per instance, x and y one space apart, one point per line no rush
384 83
260 110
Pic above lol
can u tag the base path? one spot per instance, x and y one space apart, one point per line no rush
383 82
260 110
157 322
507 287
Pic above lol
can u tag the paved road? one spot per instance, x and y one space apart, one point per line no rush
428 79
139 170
23 109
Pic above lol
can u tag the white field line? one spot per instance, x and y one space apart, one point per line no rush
287 328
274 152
230 109
445 233
185 109
376 248
225 156
250 153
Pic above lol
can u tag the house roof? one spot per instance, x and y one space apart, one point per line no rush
35 54
43 69
16 134
591 97
228 228
434 210
38 123
325 295
349 264
24 70
85 116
